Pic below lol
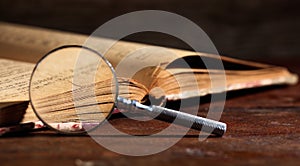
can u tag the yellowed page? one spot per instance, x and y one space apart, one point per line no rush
235 80
14 82
56 88
29 44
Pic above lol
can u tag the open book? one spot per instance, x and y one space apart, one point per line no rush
26 44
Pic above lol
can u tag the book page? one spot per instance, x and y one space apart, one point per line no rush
196 82
140 62
26 43
55 88
14 82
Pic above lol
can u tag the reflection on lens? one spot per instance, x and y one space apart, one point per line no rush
73 85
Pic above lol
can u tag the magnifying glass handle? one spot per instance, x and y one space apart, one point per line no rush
173 116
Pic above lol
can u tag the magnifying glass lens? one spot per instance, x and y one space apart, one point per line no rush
73 89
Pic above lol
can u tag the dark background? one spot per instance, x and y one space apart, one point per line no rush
265 30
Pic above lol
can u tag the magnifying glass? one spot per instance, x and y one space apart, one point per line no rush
74 89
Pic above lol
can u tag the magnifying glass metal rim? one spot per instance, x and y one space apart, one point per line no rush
115 97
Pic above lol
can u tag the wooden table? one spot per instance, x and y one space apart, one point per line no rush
263 129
